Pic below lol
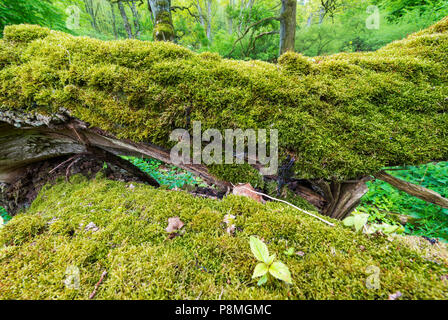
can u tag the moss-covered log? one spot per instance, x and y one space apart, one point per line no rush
343 117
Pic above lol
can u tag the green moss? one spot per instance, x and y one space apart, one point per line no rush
25 33
341 116
288 195
295 63
237 173
38 246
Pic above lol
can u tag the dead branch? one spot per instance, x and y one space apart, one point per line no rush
413 189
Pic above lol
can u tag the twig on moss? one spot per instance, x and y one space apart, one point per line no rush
92 295
290 204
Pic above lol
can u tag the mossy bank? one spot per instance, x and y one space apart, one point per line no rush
131 244
341 116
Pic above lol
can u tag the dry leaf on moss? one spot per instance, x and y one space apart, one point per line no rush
248 191
174 224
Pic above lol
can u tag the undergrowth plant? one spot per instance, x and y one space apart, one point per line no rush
167 175
267 265
4 216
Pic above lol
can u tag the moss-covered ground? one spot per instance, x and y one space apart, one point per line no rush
37 248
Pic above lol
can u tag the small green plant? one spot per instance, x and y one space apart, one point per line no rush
289 251
267 265
359 222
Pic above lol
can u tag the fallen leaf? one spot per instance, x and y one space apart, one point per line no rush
91 227
300 253
174 224
247 190
231 229
395 295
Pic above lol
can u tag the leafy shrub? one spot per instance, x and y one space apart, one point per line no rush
170 176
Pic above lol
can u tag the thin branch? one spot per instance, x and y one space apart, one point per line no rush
92 295
413 189
249 28
290 204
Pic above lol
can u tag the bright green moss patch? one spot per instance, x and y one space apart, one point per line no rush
341 116
37 247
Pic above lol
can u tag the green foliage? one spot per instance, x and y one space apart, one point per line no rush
383 201
4 217
346 30
170 176
352 115
42 12
359 222
37 247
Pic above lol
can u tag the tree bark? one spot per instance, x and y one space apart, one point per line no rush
163 22
342 197
287 26
127 26
209 21
414 190
230 19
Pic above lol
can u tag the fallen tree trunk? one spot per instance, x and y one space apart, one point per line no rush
413 189
27 139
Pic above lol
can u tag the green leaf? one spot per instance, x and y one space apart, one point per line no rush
348 222
280 271
360 220
289 252
262 280
259 249
270 260
260 270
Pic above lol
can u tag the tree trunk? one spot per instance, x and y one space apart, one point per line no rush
25 140
114 21
230 20
91 11
342 197
163 22
136 19
209 21
287 26
127 26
